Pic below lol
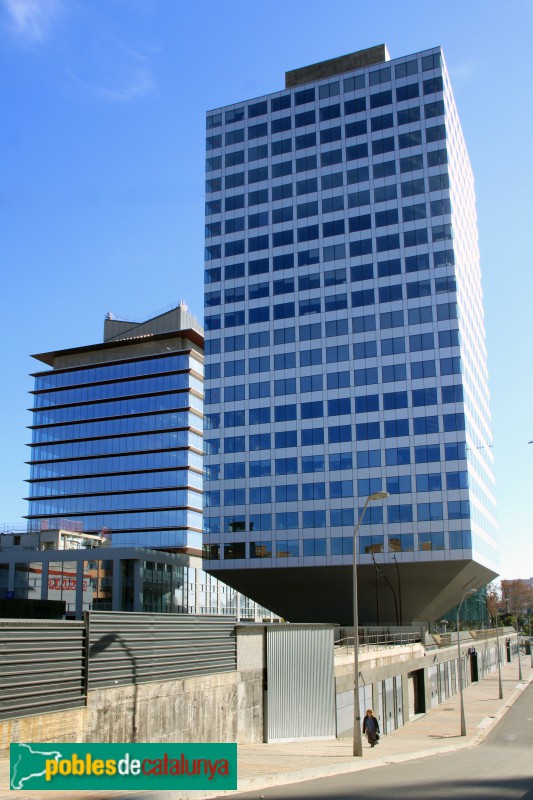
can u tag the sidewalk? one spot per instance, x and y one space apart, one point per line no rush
263 765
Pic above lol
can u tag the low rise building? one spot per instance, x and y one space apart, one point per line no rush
86 573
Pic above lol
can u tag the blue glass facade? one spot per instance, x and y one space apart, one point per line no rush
117 443
344 336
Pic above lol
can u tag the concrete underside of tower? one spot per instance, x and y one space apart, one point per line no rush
414 592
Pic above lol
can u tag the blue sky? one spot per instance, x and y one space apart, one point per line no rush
102 158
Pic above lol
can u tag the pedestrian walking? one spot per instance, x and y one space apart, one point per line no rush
371 728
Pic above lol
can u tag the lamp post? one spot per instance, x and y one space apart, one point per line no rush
518 647
500 687
399 587
357 734
517 626
530 639
391 587
463 721
376 570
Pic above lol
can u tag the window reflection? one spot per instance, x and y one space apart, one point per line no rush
371 544
260 549
62 583
28 580
236 550
403 543
98 585
430 541
146 366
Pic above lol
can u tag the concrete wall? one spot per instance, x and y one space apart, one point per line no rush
377 665
226 707
381 664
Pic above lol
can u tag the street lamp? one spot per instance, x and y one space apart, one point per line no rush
500 687
399 587
463 722
530 639
517 626
376 577
518 647
357 734
391 587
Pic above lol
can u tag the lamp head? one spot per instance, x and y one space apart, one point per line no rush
467 593
378 496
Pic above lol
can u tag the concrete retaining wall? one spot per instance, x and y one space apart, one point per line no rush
226 707
382 664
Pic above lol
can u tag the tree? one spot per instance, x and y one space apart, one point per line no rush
517 597
494 601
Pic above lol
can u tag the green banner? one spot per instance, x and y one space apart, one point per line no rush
123 766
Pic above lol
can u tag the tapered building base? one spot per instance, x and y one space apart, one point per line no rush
324 594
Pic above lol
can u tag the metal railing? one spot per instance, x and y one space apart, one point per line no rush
374 640
490 633
450 637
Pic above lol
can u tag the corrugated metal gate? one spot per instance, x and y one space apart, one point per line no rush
411 694
42 667
126 648
433 680
300 695
388 722
344 708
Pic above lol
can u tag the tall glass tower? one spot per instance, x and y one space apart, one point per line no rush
345 345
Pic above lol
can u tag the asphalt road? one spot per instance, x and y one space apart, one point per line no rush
500 768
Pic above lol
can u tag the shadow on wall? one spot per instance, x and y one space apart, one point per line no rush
103 644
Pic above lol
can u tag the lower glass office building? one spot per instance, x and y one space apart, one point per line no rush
86 574
117 435
345 345
117 457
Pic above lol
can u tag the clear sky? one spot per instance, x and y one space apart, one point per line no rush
102 176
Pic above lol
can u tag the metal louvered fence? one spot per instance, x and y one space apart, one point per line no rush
50 666
126 648
42 666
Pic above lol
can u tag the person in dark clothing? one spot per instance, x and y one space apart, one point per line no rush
371 728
